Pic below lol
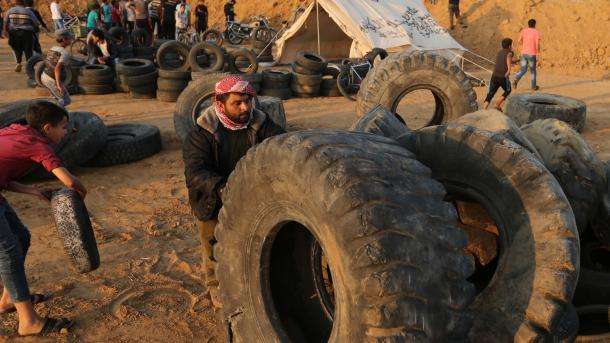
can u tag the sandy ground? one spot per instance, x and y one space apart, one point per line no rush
148 286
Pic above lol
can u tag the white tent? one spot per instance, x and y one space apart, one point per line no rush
342 28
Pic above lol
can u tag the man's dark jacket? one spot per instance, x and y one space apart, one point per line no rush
210 154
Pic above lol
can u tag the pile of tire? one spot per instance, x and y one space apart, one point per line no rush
242 61
526 108
276 83
140 76
329 86
173 55
307 75
205 58
96 79
171 83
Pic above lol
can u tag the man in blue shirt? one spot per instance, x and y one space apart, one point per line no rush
21 24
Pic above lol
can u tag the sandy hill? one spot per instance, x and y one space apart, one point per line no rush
575 33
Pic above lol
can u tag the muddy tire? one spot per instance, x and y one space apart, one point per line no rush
135 67
568 156
311 61
496 122
526 108
338 203
174 74
527 297
275 79
212 36
252 66
399 74
75 230
176 48
206 48
128 143
380 122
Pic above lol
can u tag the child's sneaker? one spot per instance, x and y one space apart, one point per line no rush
18 68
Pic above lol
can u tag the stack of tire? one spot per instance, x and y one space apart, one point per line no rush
89 142
171 83
242 61
205 58
96 79
140 76
329 86
276 83
307 75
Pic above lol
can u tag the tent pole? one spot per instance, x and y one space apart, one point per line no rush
318 24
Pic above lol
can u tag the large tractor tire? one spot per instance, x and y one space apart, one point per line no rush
400 74
527 296
346 238
526 108
568 156
381 122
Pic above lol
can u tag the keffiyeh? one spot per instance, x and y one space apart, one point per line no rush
232 84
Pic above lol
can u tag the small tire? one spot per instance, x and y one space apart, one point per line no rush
380 122
310 61
568 156
335 207
249 56
135 67
128 143
306 80
297 69
207 36
29 66
95 71
398 74
277 79
175 47
167 96
280 93
528 295
97 89
142 80
174 74
75 230
206 48
526 108
171 84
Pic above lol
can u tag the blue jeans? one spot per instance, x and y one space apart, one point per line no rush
14 245
527 60
58 24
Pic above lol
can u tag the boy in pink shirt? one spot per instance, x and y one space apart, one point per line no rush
530 46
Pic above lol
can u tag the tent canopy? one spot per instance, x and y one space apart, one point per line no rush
354 27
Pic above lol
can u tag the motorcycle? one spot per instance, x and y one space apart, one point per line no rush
258 29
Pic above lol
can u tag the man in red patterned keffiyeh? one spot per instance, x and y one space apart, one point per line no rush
224 134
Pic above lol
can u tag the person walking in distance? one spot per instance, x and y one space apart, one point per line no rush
201 13
454 11
57 15
21 24
224 133
530 50
501 74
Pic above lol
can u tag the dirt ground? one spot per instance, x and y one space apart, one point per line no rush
148 286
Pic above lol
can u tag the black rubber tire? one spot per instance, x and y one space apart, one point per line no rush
206 48
177 48
167 96
96 70
349 92
128 143
276 79
143 94
248 55
14 112
529 294
297 69
217 34
29 66
343 192
526 108
97 80
496 122
174 74
399 73
88 89
171 85
39 69
332 70
135 67
189 103
382 122
280 93
139 37
568 156
75 230
142 80
311 61
306 80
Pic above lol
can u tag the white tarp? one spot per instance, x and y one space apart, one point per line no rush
353 27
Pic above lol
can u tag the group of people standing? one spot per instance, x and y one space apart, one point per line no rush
160 18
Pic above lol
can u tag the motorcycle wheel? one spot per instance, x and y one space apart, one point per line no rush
233 38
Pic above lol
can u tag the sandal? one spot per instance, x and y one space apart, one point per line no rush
53 325
34 298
